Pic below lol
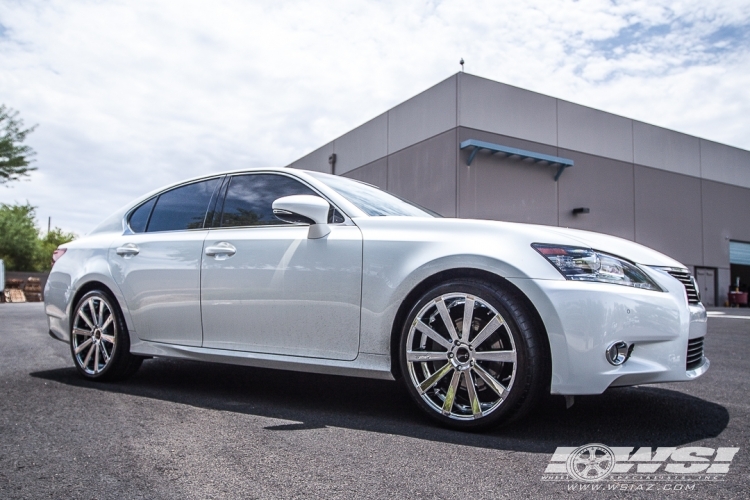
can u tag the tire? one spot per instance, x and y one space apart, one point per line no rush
99 341
492 373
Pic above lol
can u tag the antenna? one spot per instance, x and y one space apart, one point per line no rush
462 64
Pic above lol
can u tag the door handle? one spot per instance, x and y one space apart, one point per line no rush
221 249
127 250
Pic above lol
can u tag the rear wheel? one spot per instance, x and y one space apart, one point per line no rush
99 341
471 355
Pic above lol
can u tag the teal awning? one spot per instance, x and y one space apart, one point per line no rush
562 163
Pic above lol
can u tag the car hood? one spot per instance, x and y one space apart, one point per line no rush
474 235
606 243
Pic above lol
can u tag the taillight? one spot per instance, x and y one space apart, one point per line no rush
57 254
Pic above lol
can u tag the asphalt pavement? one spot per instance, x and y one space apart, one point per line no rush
184 430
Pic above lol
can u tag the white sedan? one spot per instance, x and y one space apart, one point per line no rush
297 270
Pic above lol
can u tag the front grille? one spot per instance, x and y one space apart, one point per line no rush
688 282
694 353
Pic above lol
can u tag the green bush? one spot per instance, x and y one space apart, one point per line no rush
22 245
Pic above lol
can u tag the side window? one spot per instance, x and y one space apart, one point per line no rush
139 218
250 197
183 207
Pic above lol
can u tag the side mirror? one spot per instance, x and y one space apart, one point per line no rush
304 209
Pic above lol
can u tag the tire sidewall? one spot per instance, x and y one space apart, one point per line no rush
508 309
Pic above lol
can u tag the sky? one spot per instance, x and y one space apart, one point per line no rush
132 95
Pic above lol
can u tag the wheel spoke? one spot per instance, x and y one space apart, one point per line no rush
435 378
476 409
92 310
495 323
425 328
88 357
86 319
96 358
443 310
104 353
85 333
450 396
468 316
108 338
489 380
421 356
107 322
498 356
83 345
101 313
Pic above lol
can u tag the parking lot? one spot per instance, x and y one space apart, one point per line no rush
181 429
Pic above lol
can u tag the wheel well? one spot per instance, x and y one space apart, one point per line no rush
450 274
88 287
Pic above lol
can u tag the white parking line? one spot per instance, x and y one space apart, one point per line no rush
719 314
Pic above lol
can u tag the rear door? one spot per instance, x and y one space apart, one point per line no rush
157 264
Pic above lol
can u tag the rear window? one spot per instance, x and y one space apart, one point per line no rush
139 218
182 208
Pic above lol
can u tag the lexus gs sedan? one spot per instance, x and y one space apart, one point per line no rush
297 270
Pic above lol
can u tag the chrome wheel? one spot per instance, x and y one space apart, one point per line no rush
94 335
461 356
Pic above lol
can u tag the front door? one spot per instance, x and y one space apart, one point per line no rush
267 288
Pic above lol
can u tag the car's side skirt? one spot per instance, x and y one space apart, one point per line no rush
375 366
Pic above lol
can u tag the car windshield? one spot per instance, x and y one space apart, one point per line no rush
371 200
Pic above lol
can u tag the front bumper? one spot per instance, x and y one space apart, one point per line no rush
583 319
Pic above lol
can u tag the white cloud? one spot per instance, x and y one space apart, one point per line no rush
132 95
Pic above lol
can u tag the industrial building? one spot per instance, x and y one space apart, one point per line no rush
471 147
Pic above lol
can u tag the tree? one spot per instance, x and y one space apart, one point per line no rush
14 156
47 246
22 247
19 238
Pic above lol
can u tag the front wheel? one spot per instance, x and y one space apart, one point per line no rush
472 356
99 341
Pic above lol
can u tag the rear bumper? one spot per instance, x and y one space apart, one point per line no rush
56 297
583 319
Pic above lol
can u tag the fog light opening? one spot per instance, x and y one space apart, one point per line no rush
618 352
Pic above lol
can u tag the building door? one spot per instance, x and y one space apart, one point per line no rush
706 279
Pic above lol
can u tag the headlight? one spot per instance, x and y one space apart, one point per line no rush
585 264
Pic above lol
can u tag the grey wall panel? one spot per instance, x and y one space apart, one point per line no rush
362 145
668 214
723 163
502 109
423 116
426 173
602 185
317 160
375 173
592 131
665 149
501 188
725 217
